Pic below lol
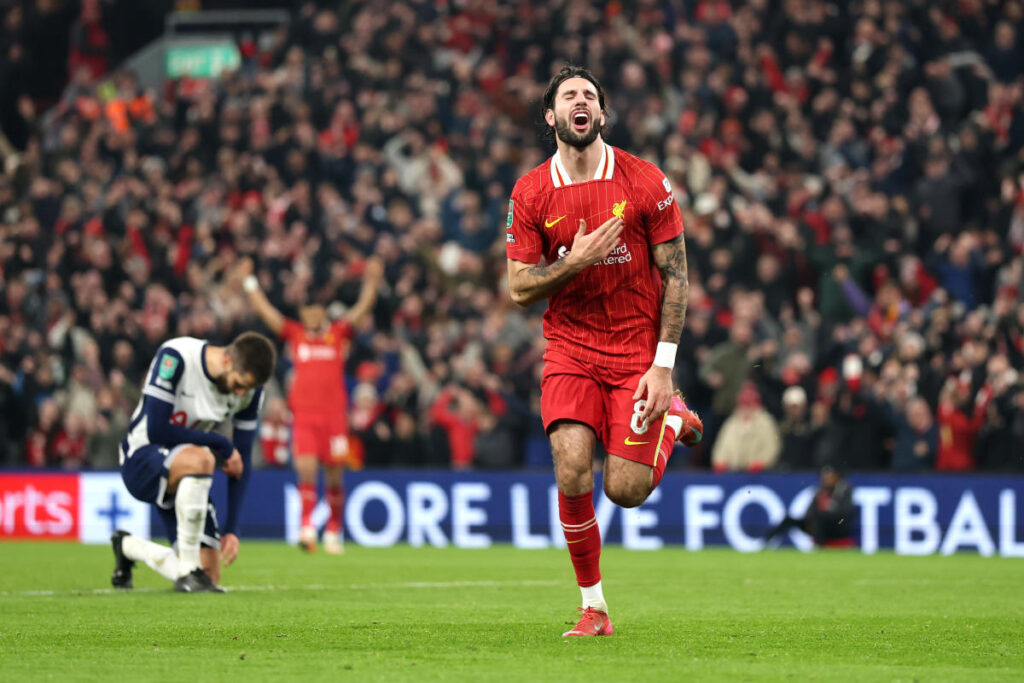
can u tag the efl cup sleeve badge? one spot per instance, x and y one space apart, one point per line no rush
168 365
509 237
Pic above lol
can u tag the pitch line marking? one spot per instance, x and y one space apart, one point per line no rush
311 587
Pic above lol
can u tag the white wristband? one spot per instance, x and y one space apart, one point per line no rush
665 356
250 283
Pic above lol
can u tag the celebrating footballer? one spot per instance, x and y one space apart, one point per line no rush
596 232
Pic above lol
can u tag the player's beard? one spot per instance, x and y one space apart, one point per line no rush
222 384
569 136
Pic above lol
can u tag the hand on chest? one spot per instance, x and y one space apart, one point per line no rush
560 222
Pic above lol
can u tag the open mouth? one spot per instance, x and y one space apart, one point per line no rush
581 120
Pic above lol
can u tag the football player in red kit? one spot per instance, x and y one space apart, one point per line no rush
317 396
596 231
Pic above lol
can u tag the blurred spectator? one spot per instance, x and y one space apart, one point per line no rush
958 264
727 369
960 420
105 434
369 426
494 446
999 445
406 448
1004 54
276 433
853 435
458 412
800 429
917 437
749 439
41 443
90 44
70 443
11 420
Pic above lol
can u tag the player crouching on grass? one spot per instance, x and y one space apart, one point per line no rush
169 454
617 298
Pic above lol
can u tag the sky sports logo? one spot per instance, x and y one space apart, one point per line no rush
33 506
75 507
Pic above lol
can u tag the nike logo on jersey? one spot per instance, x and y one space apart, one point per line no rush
550 223
630 442
619 210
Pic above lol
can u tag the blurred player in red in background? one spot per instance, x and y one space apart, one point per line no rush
617 300
317 396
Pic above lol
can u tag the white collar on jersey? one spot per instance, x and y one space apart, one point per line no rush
605 167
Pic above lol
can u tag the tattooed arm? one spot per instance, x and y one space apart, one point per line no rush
670 257
528 283
656 384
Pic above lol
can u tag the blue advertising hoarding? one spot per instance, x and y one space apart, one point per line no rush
913 515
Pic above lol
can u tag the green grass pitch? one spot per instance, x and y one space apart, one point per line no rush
497 614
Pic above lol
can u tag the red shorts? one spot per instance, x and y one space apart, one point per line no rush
324 435
602 398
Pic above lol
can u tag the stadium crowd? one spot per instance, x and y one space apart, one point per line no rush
851 177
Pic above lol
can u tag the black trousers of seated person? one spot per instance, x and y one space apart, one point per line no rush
822 526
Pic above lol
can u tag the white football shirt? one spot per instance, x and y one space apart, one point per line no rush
178 375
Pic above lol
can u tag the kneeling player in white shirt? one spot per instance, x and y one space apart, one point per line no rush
169 455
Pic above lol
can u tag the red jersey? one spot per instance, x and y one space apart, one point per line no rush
610 314
319 380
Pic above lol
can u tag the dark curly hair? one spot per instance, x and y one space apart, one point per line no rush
565 73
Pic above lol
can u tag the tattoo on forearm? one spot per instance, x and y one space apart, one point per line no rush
546 271
670 257
541 281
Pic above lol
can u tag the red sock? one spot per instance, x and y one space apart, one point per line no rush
579 523
336 499
307 494
668 442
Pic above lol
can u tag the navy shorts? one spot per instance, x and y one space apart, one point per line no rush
145 474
